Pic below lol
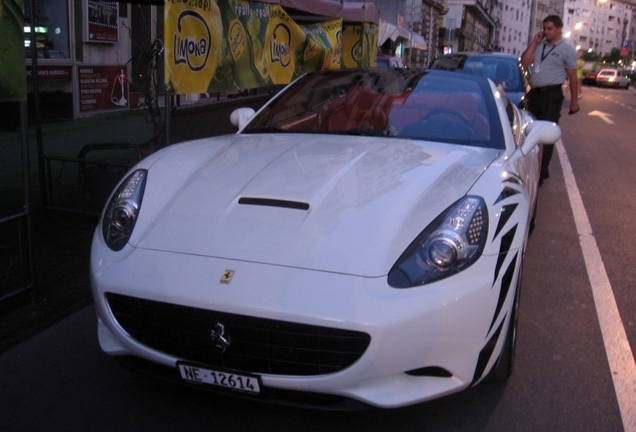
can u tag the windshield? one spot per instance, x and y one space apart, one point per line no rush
436 106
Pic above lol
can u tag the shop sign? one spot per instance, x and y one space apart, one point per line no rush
50 73
102 87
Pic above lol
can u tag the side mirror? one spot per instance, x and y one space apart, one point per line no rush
527 119
540 132
241 116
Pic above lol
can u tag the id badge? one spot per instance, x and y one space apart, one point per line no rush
538 68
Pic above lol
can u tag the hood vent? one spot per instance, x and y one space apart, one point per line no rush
274 203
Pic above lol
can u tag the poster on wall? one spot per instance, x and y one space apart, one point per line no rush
12 78
102 88
102 24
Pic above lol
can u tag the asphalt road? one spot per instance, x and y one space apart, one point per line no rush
563 381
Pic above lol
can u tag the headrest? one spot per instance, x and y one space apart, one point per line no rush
360 98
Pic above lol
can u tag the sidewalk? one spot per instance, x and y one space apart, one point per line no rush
61 240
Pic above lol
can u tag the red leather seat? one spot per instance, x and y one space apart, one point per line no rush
360 108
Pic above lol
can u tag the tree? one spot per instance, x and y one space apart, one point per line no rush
613 57
590 56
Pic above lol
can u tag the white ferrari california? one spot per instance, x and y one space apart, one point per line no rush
359 242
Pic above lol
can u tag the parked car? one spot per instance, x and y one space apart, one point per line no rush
612 78
384 60
590 77
504 69
359 241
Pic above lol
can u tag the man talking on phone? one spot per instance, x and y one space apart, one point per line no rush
553 60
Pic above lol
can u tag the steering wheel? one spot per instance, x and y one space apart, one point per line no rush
441 111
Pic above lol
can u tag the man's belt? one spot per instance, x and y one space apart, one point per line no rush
546 88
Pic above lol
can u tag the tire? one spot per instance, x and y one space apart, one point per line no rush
533 221
627 86
503 369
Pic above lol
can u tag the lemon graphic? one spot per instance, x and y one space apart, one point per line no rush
285 41
193 46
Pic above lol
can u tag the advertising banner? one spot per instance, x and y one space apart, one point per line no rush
220 45
359 42
102 87
324 41
12 77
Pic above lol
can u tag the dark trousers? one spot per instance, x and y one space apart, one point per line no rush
545 104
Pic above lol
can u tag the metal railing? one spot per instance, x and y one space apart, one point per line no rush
15 282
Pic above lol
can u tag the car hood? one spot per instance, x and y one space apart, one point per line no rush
323 202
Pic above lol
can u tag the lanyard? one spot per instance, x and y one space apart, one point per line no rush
543 53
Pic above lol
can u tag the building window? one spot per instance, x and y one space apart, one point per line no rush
50 23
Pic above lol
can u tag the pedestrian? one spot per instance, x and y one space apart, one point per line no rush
553 60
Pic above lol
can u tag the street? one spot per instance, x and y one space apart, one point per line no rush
574 368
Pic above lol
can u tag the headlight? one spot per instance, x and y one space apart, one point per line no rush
451 243
122 210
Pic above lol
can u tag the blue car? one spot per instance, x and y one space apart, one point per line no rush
503 69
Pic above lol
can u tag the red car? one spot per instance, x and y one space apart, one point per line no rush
384 60
590 77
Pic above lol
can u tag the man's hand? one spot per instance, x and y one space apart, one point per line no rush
527 56
574 91
574 107
538 37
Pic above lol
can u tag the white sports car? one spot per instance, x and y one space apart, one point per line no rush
359 242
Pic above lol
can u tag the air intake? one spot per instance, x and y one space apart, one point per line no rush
274 203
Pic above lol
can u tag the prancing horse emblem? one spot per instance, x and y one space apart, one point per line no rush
227 276
221 339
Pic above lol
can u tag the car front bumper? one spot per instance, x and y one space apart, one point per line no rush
447 324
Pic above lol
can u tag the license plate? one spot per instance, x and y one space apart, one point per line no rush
223 379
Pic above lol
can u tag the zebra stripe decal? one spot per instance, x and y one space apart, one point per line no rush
504 279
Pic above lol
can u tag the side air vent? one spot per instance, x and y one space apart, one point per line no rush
432 371
274 203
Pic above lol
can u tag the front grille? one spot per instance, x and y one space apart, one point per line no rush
257 345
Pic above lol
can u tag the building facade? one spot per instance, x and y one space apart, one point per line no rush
414 28
514 33
599 27
79 45
541 9
469 25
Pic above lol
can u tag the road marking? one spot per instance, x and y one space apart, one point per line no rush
602 115
619 353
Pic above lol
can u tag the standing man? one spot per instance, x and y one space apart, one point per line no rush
553 61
